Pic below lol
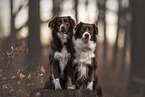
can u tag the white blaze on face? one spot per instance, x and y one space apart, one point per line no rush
85 34
61 25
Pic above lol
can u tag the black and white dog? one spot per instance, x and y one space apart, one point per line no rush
61 53
85 63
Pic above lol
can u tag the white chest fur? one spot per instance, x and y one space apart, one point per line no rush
84 54
84 51
63 58
63 37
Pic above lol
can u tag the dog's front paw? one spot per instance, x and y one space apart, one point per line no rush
90 86
71 87
57 84
58 88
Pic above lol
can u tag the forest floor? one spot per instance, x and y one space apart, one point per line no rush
112 71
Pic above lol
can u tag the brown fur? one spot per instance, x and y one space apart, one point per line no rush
56 46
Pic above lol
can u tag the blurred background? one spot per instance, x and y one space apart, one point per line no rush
120 49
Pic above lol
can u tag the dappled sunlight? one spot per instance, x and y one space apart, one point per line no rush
46 9
111 33
100 35
67 8
112 5
87 14
111 17
111 26
45 34
23 33
4 18
21 18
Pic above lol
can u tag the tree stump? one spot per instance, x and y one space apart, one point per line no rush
63 93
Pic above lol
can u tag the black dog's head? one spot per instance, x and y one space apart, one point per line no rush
62 27
86 31
62 24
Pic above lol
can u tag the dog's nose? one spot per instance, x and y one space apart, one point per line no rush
62 27
87 35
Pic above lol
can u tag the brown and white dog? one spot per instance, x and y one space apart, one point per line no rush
85 63
61 53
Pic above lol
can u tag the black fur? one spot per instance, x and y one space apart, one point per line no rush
56 45
82 83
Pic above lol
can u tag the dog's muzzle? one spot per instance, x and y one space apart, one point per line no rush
62 28
86 35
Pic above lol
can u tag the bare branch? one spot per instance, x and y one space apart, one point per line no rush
17 30
19 9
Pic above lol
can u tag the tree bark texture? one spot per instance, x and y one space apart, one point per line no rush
137 70
34 42
63 93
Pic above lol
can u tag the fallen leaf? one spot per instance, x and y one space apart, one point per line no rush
26 50
9 53
30 84
14 77
4 87
19 82
34 74
18 44
42 82
11 91
38 68
38 94
18 72
21 49
12 47
43 70
1 70
29 76
22 76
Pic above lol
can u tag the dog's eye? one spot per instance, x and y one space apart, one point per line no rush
83 28
65 20
90 28
59 23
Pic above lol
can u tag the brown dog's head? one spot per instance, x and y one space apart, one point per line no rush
61 24
86 31
62 27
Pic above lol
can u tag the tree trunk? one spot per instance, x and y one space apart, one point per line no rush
56 7
137 73
76 10
101 17
34 42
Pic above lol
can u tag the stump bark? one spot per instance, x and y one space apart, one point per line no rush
63 93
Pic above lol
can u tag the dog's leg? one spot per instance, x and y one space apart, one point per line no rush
69 76
56 75
91 82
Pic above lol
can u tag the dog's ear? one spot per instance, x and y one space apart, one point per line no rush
72 21
52 22
77 29
95 29
78 26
